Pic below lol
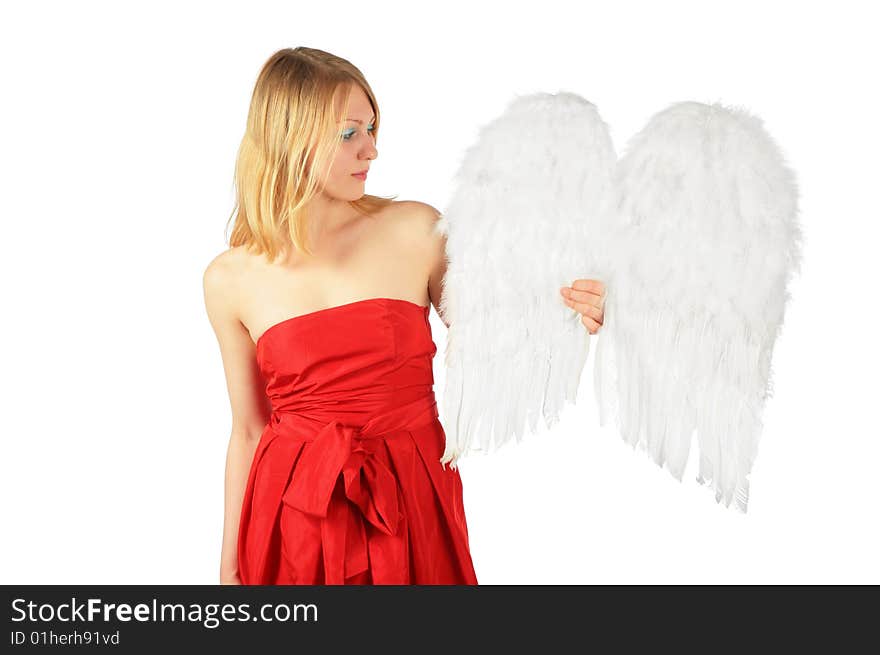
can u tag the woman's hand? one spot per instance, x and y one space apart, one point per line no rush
587 297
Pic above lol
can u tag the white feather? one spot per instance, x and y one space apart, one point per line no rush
701 246
520 224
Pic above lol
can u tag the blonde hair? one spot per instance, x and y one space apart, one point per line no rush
289 143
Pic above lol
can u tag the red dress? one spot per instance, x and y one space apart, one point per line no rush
346 485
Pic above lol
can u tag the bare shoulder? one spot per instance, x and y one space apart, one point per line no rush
217 274
231 259
415 210
416 221
220 281
219 266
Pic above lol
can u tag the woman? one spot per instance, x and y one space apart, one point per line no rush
320 308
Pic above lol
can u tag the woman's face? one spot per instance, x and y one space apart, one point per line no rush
357 150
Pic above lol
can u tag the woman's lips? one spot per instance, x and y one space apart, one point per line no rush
360 176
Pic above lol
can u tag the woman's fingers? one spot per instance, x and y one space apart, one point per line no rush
587 297
591 325
588 309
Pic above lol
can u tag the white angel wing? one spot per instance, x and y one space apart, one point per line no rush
519 225
706 239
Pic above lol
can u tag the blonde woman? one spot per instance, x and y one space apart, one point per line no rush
320 307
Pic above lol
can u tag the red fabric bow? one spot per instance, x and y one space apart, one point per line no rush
369 489
368 484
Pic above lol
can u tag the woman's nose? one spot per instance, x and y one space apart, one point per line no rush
369 152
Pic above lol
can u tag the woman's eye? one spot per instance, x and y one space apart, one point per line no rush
346 136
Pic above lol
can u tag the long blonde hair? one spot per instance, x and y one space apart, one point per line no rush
289 143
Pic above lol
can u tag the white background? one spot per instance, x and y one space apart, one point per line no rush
120 129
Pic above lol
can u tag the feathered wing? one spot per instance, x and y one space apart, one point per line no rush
519 225
703 243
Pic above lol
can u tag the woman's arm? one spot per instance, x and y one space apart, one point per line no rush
437 257
239 455
250 407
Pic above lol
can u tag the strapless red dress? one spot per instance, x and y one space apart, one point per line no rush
346 484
